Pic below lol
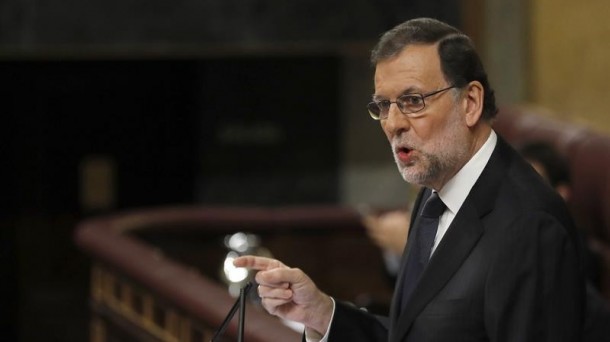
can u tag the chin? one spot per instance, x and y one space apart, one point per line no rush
412 175
409 176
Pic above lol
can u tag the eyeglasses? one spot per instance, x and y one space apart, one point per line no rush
407 104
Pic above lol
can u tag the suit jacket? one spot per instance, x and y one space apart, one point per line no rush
507 269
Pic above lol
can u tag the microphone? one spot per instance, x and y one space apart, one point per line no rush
240 304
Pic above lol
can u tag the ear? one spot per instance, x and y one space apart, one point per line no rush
473 103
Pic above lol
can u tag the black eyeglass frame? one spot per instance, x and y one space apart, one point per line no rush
371 106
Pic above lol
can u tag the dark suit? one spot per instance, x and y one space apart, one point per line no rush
507 269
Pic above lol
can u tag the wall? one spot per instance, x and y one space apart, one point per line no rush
570 59
504 48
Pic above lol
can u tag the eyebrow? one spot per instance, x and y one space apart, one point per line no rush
409 90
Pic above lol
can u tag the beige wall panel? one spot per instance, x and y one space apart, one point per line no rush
570 59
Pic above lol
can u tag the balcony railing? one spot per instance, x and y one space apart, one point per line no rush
154 272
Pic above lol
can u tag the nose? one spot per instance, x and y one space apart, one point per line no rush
396 123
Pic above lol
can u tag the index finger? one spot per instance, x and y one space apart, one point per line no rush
257 263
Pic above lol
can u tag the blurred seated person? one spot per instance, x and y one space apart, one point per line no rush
550 165
389 231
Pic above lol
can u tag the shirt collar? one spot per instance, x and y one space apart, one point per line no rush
456 190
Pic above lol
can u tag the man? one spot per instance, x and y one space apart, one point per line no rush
503 264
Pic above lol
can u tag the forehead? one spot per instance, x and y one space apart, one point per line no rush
416 68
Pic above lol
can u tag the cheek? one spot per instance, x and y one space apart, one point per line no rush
425 129
435 135
449 125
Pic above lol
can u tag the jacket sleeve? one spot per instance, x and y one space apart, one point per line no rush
535 288
356 325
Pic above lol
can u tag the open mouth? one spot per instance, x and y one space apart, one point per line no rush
403 153
403 150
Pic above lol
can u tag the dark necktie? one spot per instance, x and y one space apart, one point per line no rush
424 234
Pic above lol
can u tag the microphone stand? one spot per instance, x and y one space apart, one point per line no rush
240 304
242 313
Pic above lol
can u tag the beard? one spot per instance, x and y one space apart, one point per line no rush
433 163
423 170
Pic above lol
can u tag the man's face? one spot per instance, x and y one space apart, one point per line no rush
430 148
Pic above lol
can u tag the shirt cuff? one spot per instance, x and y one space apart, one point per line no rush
313 336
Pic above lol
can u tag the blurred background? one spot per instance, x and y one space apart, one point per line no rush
121 105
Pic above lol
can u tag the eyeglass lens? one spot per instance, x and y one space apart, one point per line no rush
408 103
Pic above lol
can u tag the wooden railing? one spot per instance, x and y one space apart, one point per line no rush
151 282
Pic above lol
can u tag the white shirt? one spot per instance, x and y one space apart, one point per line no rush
453 194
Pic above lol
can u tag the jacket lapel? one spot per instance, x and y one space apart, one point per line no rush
459 240
462 236
394 308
